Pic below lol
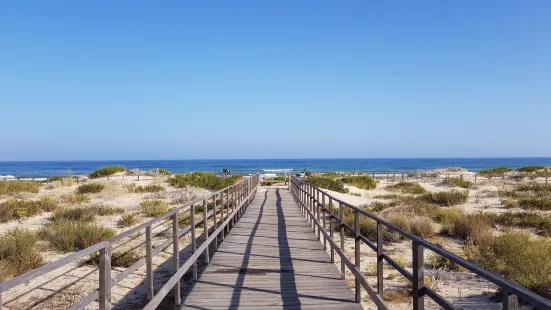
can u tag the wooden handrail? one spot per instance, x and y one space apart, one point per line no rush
241 195
306 193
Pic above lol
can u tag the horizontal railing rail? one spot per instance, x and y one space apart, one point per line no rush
227 203
309 200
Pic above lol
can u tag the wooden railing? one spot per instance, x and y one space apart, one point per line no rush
227 204
308 198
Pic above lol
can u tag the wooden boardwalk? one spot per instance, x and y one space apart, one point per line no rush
271 260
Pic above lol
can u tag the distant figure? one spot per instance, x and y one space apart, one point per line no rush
226 173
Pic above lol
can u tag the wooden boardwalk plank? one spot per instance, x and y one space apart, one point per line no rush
270 260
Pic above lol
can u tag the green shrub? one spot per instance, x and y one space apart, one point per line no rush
422 227
524 219
278 178
54 179
518 257
459 182
418 206
118 259
439 262
90 188
387 196
447 216
152 188
377 206
446 198
162 171
368 227
531 168
327 183
104 210
75 198
154 207
408 188
14 187
535 203
14 209
363 182
495 171
203 179
17 253
128 220
474 228
70 236
105 171
75 214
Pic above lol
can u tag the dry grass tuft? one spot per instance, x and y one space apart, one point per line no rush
408 188
154 207
15 209
14 187
128 220
18 254
90 188
75 198
118 259
70 236
446 198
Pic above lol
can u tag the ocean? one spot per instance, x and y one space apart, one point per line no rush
279 166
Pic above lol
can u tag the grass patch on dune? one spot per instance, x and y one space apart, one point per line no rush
18 254
531 168
70 236
363 182
14 187
128 220
206 180
407 188
105 171
387 196
75 198
495 171
518 257
329 183
85 213
542 224
152 188
533 196
474 228
14 209
446 198
90 188
154 207
118 259
459 182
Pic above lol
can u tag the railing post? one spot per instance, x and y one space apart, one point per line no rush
341 215
318 212
357 246
149 262
105 278
380 259
331 228
176 256
222 214
215 220
510 301
418 276
206 230
323 213
193 239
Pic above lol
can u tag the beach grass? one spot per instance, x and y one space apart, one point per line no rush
363 182
18 253
154 207
407 188
329 183
459 182
15 209
69 236
90 188
446 198
14 187
205 180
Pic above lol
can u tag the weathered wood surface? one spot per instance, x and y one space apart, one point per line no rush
270 260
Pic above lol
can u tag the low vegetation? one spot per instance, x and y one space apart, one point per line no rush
85 213
14 187
363 182
121 259
162 171
518 257
128 220
533 196
329 183
70 236
531 168
15 209
75 198
474 228
154 207
407 188
152 188
90 188
542 224
206 180
106 171
459 182
446 198
18 253
495 171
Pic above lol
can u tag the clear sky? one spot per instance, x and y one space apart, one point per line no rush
274 79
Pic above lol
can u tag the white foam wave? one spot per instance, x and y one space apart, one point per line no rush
277 170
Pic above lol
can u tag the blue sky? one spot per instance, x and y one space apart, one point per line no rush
274 79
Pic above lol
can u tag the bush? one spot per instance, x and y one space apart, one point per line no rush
154 207
363 182
418 206
439 262
447 216
327 183
474 228
90 188
495 171
459 182
76 214
206 180
162 171
118 259
128 220
408 188
387 196
531 168
75 198
519 258
152 188
377 206
14 209
524 219
422 227
535 203
17 253
278 178
70 236
14 187
446 198
105 171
